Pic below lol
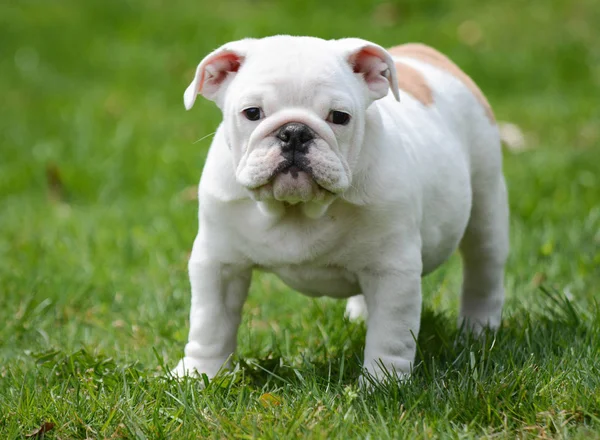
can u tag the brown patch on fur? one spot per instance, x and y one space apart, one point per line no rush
431 56
413 82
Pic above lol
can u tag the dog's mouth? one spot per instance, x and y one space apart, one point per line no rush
293 167
292 182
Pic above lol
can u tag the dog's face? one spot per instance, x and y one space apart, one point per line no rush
294 110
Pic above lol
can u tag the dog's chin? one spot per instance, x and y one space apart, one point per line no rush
291 186
294 187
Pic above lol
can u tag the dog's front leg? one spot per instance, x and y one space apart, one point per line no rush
394 307
218 295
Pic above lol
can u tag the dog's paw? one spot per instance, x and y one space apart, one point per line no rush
384 370
191 367
356 308
478 327
478 316
371 379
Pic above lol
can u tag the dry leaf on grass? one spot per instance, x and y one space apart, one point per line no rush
43 429
269 399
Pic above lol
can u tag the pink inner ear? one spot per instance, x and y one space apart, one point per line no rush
369 63
362 60
232 60
218 68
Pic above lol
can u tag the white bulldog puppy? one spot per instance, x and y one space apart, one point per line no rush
349 171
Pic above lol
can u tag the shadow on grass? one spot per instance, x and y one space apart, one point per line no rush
445 352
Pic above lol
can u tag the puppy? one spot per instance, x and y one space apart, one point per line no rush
349 171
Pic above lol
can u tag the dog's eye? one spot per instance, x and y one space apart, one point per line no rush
338 118
252 113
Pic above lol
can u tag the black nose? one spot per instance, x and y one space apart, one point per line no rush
295 136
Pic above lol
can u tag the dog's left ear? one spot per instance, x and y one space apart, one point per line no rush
374 64
215 71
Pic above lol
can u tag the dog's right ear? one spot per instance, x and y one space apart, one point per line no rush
215 71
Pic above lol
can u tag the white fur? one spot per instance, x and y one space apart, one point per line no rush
407 184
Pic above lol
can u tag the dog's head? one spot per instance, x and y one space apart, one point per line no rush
294 110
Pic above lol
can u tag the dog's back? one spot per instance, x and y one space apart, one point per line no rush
413 79
440 85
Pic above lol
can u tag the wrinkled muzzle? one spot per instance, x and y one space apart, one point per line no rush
293 157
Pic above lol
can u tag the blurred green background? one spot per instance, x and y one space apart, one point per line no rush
98 162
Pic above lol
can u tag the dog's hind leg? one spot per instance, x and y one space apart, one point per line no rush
356 308
484 250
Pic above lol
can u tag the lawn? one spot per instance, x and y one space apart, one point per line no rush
98 165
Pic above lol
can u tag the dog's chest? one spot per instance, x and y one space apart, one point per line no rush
294 240
316 280
310 256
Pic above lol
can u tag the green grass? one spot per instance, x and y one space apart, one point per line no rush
96 160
